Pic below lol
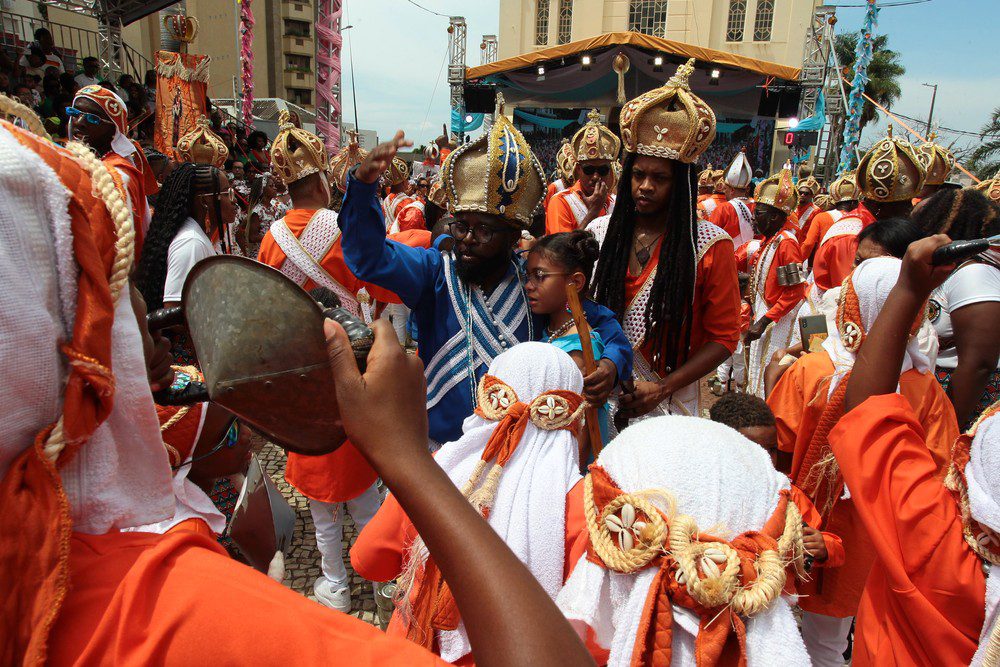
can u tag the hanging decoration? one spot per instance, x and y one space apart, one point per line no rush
246 59
621 65
856 102
328 45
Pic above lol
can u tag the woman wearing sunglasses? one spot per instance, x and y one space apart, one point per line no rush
196 199
595 148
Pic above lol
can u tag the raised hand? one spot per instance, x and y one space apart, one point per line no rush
919 274
381 157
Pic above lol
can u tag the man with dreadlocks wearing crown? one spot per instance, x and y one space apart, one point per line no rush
516 461
889 176
565 166
807 401
735 215
775 286
100 120
595 149
669 277
469 302
933 594
305 246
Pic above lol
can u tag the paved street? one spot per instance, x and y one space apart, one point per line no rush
302 565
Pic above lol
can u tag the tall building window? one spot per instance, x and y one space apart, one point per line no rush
764 21
648 16
737 19
565 21
542 23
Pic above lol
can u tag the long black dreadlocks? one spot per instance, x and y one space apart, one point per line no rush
669 310
174 206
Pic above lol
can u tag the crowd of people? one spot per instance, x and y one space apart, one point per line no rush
538 398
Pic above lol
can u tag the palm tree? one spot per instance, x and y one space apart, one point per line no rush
985 159
884 72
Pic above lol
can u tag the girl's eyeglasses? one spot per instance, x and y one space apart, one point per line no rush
229 441
538 276
230 194
91 118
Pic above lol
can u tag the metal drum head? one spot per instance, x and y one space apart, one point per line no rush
259 340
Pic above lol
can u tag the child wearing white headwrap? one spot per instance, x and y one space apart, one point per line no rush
690 532
516 461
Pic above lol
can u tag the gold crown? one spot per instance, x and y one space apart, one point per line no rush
350 155
182 28
296 153
202 146
890 171
810 184
936 160
823 202
778 191
566 161
594 141
990 188
706 179
497 174
670 121
845 188
436 195
397 172
719 178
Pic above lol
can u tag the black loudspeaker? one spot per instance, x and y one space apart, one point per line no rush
784 103
480 99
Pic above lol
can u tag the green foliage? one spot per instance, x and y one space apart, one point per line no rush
884 72
985 159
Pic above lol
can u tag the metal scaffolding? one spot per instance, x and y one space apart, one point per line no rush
457 34
488 49
329 42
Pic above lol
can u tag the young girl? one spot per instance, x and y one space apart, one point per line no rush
554 262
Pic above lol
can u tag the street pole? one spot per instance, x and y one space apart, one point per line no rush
930 116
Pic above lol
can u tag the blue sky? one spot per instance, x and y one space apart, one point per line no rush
399 51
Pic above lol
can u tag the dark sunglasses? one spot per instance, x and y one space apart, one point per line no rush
229 441
91 118
590 169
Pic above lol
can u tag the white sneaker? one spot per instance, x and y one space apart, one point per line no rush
339 599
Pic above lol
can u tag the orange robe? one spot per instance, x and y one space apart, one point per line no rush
703 211
820 225
834 258
559 216
554 187
405 216
131 183
725 216
811 517
780 299
798 401
379 552
806 215
716 310
344 474
924 601
145 599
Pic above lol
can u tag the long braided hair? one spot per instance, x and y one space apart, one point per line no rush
961 214
669 309
174 207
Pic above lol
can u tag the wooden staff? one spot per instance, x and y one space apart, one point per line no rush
589 366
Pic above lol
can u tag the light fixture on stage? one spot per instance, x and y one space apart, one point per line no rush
658 64
793 123
468 119
714 77
585 63
541 70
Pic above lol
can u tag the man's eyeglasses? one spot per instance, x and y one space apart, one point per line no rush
228 441
88 117
480 233
538 276
590 169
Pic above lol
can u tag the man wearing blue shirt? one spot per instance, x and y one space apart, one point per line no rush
469 303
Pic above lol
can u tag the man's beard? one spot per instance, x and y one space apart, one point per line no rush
476 273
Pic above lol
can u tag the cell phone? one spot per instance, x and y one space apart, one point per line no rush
813 331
